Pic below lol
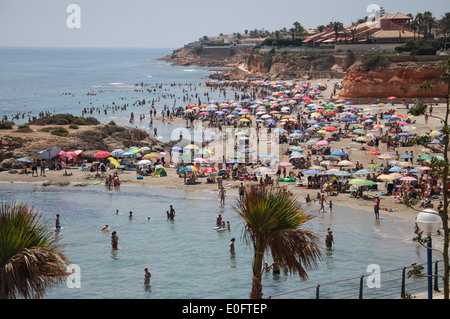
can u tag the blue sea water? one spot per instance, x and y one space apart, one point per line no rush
57 80
187 257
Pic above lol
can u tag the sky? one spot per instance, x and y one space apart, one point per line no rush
173 23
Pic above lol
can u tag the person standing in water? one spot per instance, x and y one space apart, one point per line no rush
147 276
114 240
57 224
171 212
329 240
232 251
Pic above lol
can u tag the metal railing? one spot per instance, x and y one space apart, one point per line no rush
396 283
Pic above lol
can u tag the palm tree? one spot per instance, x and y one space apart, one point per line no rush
429 22
419 21
271 223
30 261
337 27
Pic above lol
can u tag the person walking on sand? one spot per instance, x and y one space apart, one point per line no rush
114 240
331 206
376 207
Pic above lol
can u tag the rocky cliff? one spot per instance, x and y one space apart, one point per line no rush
400 79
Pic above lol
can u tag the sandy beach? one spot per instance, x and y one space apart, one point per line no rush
75 176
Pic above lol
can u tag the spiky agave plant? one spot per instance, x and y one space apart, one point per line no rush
272 221
30 261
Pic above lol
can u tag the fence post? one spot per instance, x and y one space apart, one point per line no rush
436 285
403 293
361 287
317 291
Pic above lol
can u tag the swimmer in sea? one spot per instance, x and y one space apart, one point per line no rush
105 228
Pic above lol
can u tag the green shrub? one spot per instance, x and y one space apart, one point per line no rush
6 125
73 126
111 123
60 131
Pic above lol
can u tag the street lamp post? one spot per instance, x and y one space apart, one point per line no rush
429 221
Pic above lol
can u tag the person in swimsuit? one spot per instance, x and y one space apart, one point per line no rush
147 276
114 240
232 251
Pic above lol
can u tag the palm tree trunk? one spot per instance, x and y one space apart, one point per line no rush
256 292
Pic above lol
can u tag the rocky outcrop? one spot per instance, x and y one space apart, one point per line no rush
90 139
400 79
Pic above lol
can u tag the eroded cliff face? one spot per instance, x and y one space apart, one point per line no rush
400 79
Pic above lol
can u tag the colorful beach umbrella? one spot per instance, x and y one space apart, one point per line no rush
102 154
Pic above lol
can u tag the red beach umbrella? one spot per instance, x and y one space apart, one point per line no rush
102 154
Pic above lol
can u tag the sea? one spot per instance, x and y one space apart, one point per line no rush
187 257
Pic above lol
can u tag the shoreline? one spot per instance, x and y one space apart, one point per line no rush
79 179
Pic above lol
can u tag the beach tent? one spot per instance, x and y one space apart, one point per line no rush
160 171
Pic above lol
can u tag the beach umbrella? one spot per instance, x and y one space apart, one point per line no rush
362 182
267 156
50 153
373 166
190 168
408 178
387 156
373 153
176 149
425 157
363 172
311 172
117 151
102 154
284 164
191 147
151 155
343 174
143 162
24 160
395 169
424 168
391 98
200 160
359 132
344 163
385 178
128 154
426 150
406 156
338 153
209 170
322 143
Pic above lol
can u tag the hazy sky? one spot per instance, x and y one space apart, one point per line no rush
173 23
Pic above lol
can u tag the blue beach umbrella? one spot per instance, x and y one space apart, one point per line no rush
311 172
338 153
